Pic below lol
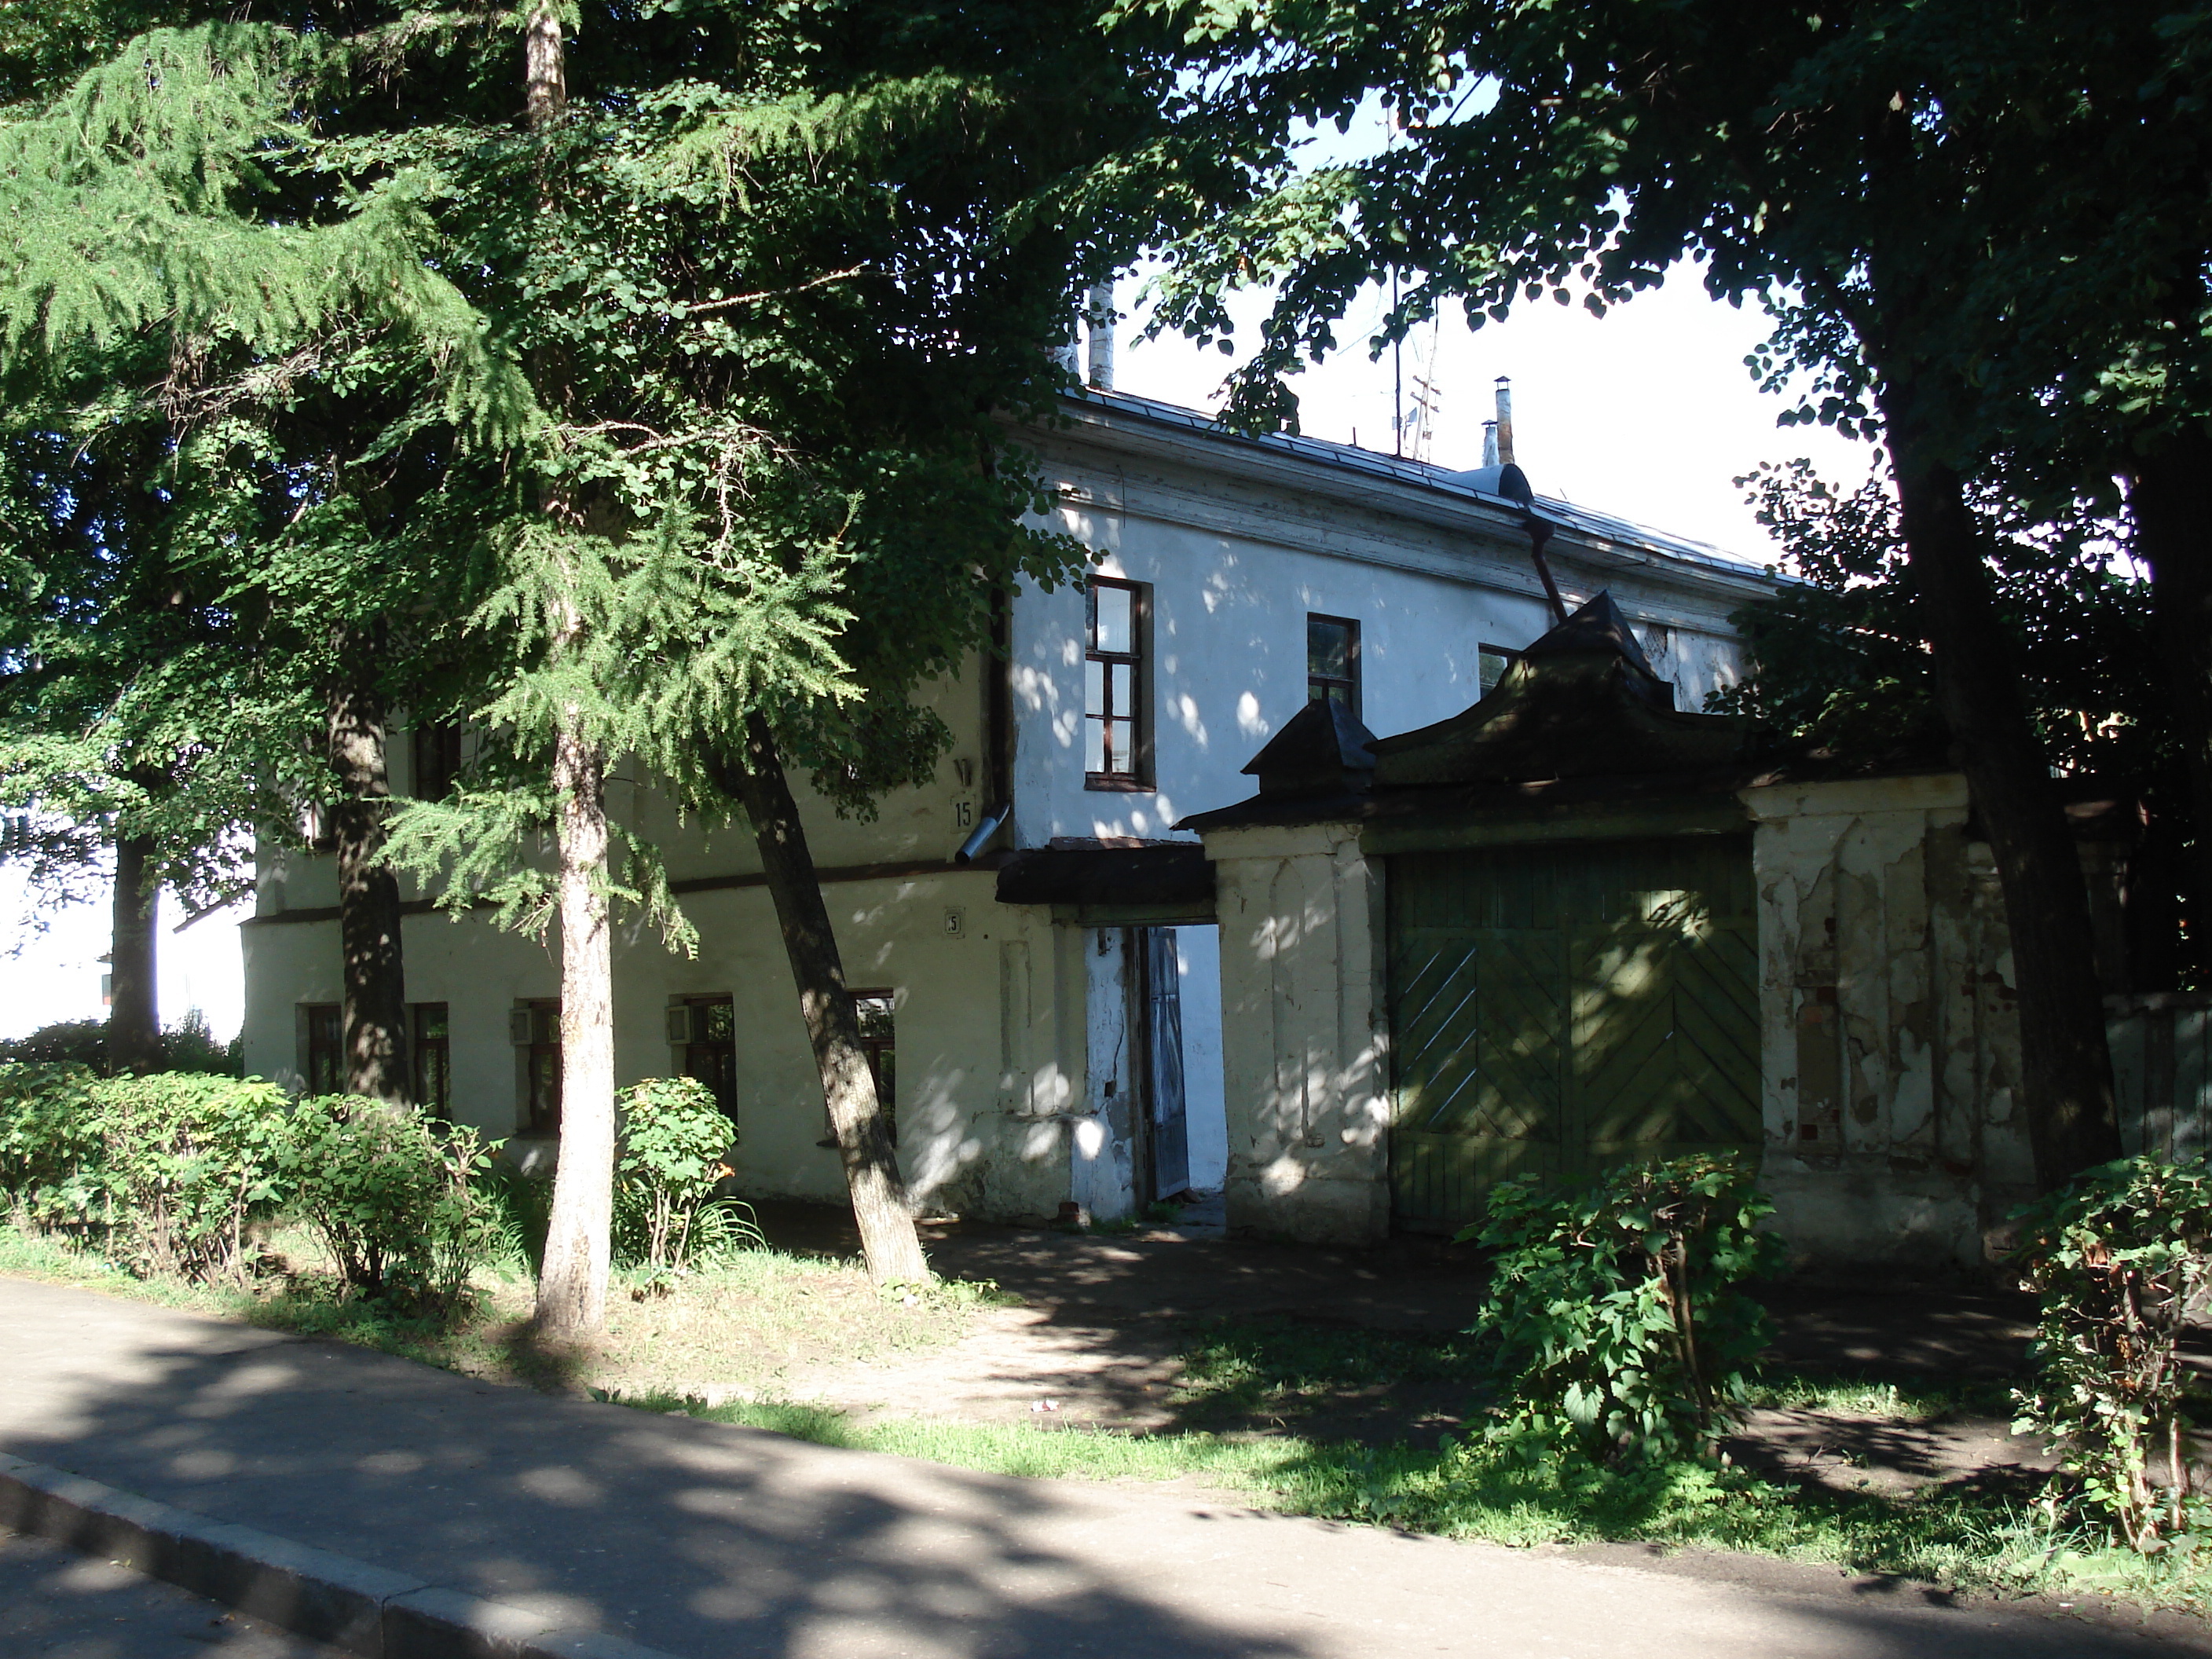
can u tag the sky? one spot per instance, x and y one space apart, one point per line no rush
1648 413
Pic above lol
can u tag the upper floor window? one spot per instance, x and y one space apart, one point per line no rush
1113 685
1333 662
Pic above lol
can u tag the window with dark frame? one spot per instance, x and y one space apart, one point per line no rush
1113 686
709 1050
1333 662
436 751
538 1036
879 1037
878 1040
430 1056
326 1056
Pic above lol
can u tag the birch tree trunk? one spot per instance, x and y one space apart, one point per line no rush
374 986
572 1286
134 1024
888 1238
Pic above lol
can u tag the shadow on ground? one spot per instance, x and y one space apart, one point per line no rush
711 1541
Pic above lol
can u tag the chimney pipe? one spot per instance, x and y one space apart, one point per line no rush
1098 315
1489 443
1504 422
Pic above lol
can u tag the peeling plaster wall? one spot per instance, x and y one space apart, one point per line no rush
1890 1039
1304 1062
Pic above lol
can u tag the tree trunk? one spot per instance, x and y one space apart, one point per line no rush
888 1238
572 1290
374 990
2066 1081
572 1285
2170 499
134 1021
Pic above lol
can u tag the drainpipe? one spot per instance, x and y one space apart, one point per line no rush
973 846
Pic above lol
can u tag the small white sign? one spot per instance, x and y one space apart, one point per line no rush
956 924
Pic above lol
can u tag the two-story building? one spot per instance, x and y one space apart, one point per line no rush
1045 1015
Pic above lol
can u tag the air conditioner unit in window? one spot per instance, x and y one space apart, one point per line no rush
685 1021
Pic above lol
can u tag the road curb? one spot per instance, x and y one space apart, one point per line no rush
363 1609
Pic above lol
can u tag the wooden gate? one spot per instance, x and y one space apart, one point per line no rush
1555 1009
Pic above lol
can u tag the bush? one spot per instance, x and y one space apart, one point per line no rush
1623 1333
188 1159
73 1041
392 1195
188 1046
162 1173
51 1163
674 1139
2120 1260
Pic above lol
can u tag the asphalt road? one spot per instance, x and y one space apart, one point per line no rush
55 1604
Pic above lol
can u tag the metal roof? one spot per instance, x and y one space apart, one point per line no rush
1417 475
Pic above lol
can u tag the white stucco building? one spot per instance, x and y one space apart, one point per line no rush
1050 1013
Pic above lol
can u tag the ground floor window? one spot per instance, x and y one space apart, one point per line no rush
432 1059
879 1038
325 1058
536 1029
703 1032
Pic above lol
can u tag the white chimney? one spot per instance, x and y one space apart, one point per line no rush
1489 443
1098 318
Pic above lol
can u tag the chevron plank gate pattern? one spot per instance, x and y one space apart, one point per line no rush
1557 1009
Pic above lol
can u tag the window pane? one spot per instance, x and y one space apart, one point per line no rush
721 1022
1094 687
1120 679
1329 649
1113 629
1094 745
1490 666
1120 747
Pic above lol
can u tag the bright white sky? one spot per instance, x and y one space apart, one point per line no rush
1648 413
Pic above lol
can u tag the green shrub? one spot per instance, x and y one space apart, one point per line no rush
2120 1260
394 1196
73 1042
670 1158
52 1153
186 1160
1623 1332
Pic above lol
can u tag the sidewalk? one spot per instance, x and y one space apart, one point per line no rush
714 1542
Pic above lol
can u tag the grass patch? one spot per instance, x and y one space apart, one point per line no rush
1473 1491
748 1320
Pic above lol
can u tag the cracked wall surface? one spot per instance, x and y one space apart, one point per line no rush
1890 1035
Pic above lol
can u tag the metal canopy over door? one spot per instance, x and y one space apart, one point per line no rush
1558 1008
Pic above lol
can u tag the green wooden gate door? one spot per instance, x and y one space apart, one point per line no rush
1557 1009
